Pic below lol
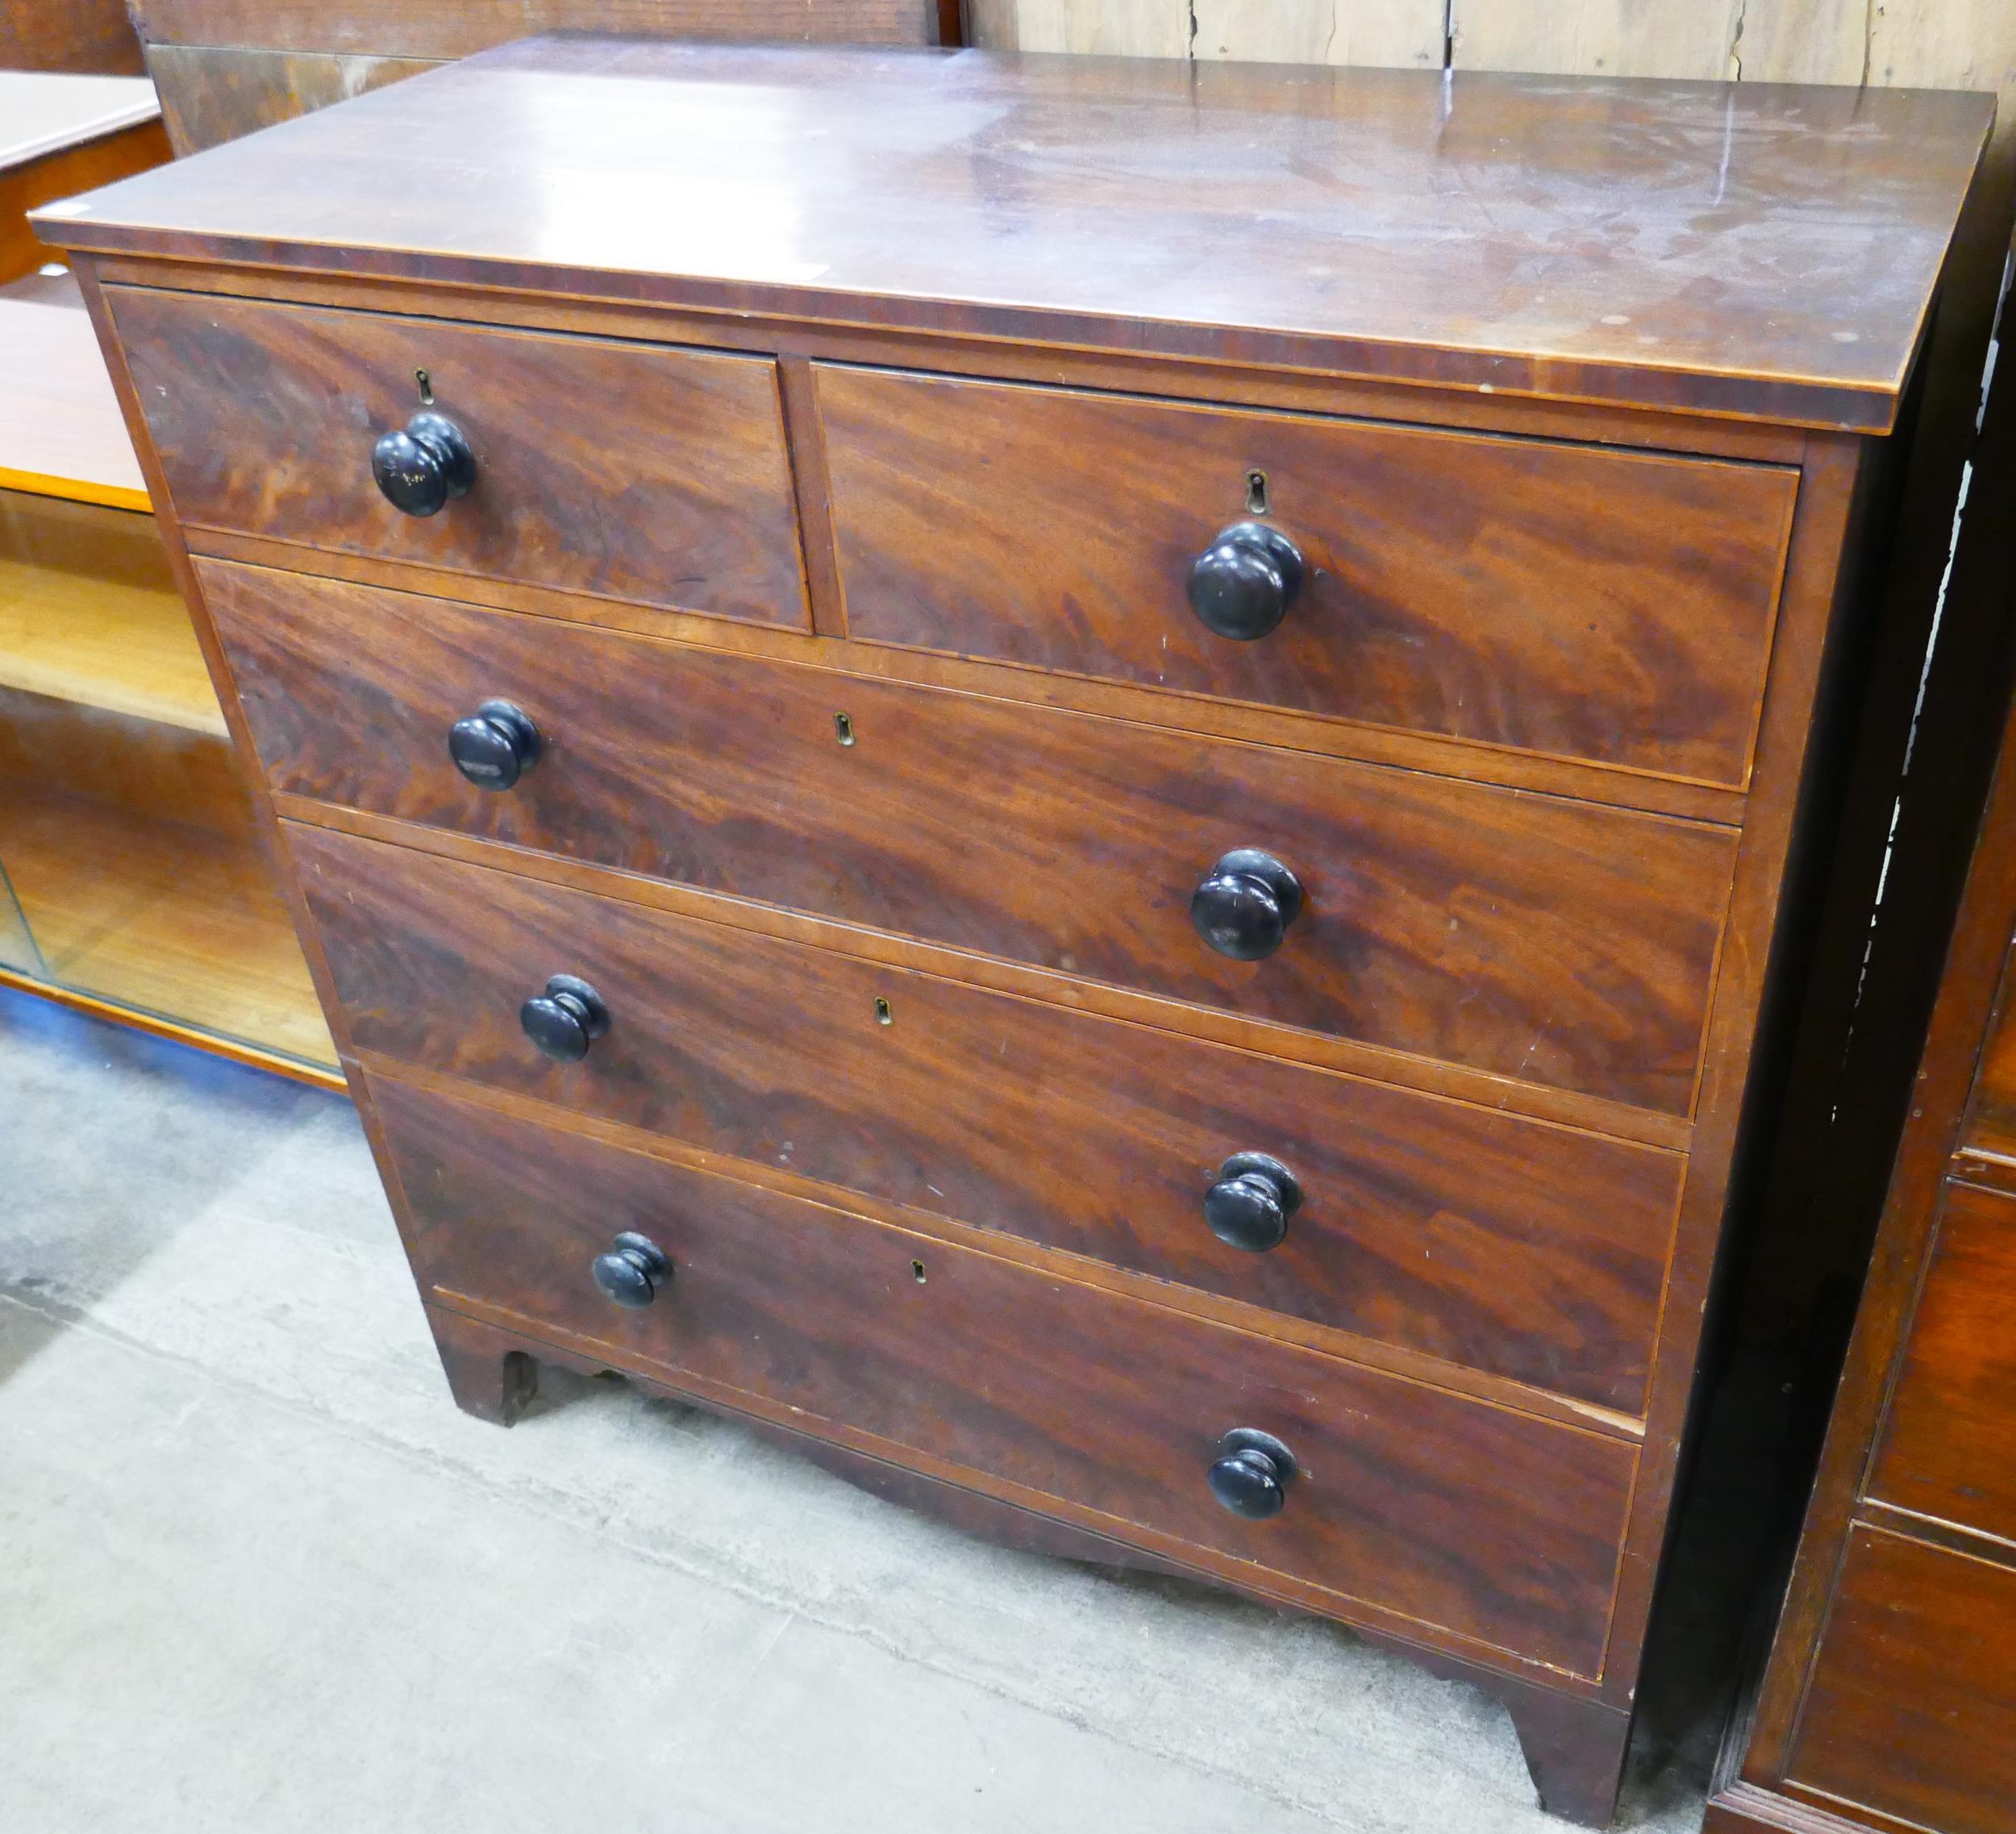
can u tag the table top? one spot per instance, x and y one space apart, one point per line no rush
1756 250
44 111
61 432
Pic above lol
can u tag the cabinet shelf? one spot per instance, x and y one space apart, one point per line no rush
89 613
170 921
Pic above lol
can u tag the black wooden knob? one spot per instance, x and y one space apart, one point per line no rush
1241 586
633 1270
1244 906
495 746
1252 1474
1250 1205
419 468
565 1019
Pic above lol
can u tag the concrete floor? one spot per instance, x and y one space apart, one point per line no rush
257 1573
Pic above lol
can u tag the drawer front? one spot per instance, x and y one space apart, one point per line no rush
629 471
1949 1439
1559 599
1556 942
1523 1250
1912 1706
1991 1118
1490 1524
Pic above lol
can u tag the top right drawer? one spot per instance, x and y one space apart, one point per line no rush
1577 602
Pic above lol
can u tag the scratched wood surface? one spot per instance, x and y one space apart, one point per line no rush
1745 271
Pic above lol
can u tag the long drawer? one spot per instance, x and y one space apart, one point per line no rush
1493 1525
1557 598
627 470
1528 1251
1556 942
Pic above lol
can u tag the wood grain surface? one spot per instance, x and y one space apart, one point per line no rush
1911 1710
1560 599
1948 1444
212 93
1530 1251
1750 252
1991 1113
1493 1527
454 28
83 36
1556 942
654 475
89 612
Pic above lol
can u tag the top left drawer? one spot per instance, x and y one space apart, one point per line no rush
628 471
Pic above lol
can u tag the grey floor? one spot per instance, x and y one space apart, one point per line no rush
257 1573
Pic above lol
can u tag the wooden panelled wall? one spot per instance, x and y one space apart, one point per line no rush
1925 43
1968 44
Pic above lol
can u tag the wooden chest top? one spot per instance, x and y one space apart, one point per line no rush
1764 252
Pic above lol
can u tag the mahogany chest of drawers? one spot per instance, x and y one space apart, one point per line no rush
1073 780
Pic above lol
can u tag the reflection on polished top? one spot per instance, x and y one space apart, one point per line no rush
1759 250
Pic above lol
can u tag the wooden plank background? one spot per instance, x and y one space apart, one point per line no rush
1922 43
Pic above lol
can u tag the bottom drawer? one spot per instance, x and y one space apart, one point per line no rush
1912 1707
1498 1528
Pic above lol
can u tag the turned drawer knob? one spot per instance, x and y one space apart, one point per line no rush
1244 906
495 746
1241 586
1250 1205
633 1269
565 1019
1252 1474
420 469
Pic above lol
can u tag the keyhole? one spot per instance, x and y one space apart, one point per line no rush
425 383
1257 492
917 1272
883 1016
844 727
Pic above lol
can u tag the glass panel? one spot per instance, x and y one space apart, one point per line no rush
17 943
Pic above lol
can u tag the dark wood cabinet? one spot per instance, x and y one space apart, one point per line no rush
1084 791
1888 1698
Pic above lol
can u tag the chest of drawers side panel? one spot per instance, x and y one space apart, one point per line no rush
1809 697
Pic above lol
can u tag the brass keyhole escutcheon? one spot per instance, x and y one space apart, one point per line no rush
1257 492
425 383
883 1016
917 1272
844 727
